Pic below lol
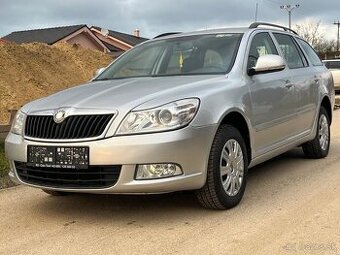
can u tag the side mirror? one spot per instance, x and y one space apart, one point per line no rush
268 63
99 71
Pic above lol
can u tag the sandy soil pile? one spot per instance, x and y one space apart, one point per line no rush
35 70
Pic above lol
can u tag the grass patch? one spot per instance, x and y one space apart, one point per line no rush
4 168
337 100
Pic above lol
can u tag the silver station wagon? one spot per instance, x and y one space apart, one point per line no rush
187 111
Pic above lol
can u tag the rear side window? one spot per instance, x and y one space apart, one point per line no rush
290 51
262 44
313 57
332 64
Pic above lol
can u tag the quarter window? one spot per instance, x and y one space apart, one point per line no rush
262 44
290 52
313 57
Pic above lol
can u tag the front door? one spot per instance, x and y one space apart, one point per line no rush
273 100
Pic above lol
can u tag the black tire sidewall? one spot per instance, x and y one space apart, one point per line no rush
227 133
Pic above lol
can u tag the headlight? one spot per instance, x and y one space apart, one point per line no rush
167 117
18 123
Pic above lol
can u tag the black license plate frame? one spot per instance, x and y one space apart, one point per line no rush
71 157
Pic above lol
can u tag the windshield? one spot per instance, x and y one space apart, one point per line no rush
200 54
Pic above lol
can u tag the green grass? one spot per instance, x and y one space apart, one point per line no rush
4 168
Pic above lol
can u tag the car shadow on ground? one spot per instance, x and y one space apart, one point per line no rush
166 205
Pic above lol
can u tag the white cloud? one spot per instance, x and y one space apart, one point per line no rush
153 17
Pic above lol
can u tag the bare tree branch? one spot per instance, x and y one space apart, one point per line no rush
310 31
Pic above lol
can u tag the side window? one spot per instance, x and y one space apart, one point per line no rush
313 57
290 51
262 44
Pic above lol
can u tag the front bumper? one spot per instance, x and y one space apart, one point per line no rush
188 147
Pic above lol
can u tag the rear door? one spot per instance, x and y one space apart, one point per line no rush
303 76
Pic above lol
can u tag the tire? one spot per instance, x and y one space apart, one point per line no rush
319 146
213 195
55 193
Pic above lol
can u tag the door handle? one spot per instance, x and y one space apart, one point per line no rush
289 86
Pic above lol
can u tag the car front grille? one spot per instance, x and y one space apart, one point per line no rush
91 178
73 127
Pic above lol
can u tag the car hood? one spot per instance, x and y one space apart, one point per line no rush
121 93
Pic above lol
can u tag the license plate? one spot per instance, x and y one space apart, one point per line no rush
58 157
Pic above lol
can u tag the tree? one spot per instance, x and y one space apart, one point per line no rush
326 46
310 31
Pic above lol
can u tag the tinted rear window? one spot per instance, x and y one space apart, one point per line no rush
290 51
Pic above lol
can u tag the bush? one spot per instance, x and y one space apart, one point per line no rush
337 101
4 168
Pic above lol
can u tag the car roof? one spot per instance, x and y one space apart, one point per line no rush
239 30
235 30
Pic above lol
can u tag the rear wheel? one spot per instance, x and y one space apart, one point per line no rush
227 170
55 193
319 146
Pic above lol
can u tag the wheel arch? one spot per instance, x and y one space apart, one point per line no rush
237 120
326 103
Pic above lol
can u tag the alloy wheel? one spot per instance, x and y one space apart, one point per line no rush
323 132
232 167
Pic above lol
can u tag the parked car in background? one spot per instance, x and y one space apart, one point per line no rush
189 111
334 66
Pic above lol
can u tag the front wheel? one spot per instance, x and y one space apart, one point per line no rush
319 146
227 170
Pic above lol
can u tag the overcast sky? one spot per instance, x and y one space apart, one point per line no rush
153 17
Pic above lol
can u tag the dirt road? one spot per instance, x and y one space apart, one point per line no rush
291 206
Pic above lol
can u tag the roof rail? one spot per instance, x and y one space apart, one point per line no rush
166 34
257 24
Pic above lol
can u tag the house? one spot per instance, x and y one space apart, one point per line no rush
117 42
78 34
95 38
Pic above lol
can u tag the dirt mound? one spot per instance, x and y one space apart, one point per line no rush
31 71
